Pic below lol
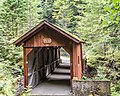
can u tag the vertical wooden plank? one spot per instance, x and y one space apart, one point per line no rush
54 55
44 59
71 66
37 40
81 56
37 61
59 52
74 56
57 63
26 51
42 64
25 68
79 61
71 70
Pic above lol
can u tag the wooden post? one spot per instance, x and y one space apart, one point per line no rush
26 51
71 70
74 57
25 68
77 61
59 52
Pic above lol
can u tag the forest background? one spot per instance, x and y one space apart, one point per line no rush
97 22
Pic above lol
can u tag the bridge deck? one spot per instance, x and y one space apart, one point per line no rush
57 83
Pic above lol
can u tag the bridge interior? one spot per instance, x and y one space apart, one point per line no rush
48 72
57 83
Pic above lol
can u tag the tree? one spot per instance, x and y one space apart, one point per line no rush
16 16
13 16
69 14
46 10
32 13
111 24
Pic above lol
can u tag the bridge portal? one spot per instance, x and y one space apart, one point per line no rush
41 47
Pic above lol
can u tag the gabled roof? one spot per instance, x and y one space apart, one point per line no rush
39 27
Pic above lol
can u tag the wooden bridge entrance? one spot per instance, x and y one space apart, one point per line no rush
41 47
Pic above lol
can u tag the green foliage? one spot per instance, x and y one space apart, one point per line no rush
97 22
15 19
12 17
46 10
6 81
69 14
115 89
102 39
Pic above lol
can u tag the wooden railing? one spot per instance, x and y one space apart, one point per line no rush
45 66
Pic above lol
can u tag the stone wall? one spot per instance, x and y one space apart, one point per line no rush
91 88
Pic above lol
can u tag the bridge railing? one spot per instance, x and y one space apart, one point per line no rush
47 65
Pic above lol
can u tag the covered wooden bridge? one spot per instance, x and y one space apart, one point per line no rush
41 47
